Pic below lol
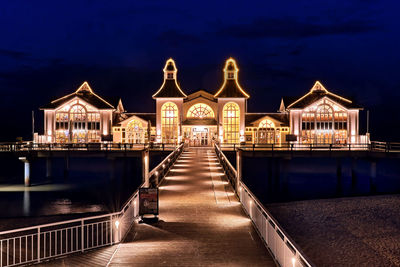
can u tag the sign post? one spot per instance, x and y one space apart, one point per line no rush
148 202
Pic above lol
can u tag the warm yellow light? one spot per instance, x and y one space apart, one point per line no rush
170 60
236 70
319 86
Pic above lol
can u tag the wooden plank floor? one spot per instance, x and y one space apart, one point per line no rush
201 224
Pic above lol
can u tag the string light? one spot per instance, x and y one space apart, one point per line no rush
228 62
175 71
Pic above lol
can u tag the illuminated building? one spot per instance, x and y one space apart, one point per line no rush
319 117
80 117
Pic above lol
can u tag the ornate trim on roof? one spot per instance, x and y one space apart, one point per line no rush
231 86
170 86
317 92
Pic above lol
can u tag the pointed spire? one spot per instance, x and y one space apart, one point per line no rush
231 87
170 87
170 69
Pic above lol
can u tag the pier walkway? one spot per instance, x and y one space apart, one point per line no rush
201 224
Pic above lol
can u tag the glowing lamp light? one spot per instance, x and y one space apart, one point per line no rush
116 224
163 165
156 173
49 132
294 261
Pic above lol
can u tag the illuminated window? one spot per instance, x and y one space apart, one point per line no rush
200 111
170 75
266 124
77 115
324 125
266 132
169 123
135 132
231 120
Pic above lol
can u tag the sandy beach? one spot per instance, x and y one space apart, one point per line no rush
357 231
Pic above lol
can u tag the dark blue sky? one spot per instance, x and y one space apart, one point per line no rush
48 48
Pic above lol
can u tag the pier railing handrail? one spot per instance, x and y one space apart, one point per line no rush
79 234
373 146
277 227
103 146
270 221
225 159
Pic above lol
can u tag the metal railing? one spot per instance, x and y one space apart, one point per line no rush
162 169
284 250
30 146
45 241
374 146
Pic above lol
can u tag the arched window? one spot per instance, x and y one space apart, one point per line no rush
324 124
169 123
200 111
135 132
266 132
78 125
266 124
231 122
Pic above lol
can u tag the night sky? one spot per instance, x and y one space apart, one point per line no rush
48 48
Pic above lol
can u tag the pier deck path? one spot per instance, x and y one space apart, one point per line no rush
201 224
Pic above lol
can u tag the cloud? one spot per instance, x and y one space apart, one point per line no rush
293 28
14 54
175 38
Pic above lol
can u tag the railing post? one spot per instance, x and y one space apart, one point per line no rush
238 169
38 245
111 229
82 237
145 167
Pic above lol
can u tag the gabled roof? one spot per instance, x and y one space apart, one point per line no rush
201 93
144 116
85 93
231 86
252 117
317 92
170 86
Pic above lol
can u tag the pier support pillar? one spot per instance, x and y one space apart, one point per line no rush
339 184
48 168
112 168
239 169
66 167
27 170
145 168
353 175
372 179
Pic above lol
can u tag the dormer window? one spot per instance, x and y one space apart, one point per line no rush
170 75
230 75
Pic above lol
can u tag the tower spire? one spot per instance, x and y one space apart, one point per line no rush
170 86
231 86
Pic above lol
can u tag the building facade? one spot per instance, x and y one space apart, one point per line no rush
201 118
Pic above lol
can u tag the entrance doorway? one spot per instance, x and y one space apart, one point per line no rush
199 136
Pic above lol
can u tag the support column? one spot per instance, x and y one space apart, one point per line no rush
239 168
145 167
372 180
339 184
27 170
112 168
48 168
66 167
353 175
